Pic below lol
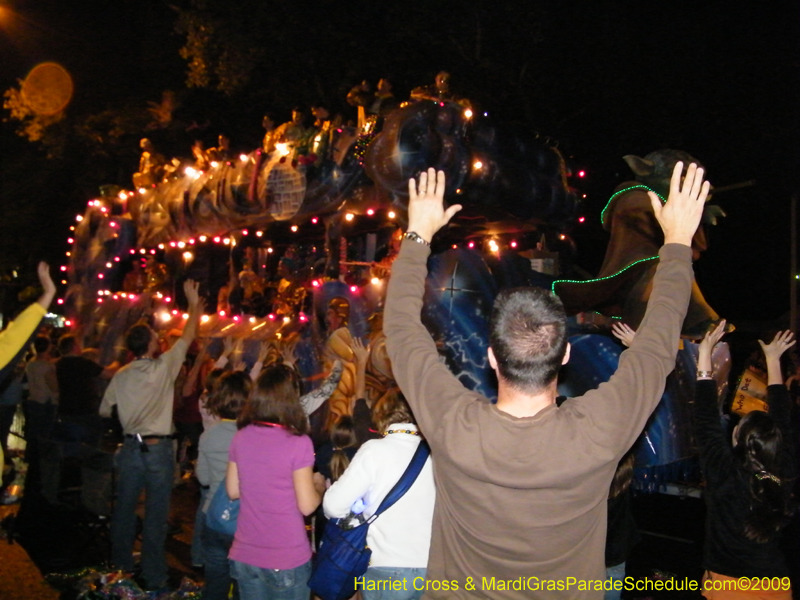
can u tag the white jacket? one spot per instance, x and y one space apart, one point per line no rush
401 535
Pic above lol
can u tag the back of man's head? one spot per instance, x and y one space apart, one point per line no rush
67 344
138 339
528 336
41 344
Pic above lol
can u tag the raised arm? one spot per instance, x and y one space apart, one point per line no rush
192 378
777 394
20 330
427 384
716 458
772 354
196 306
619 409
362 356
314 399
43 271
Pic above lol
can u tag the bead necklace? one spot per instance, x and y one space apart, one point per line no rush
409 431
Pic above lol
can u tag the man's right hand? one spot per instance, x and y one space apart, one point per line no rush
680 216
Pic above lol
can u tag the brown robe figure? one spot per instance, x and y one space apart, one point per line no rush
623 285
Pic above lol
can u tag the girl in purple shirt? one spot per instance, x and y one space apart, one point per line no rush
270 470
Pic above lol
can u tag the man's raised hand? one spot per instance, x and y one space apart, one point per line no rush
426 212
680 216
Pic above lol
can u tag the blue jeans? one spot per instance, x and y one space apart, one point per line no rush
405 574
615 573
152 471
218 568
256 583
198 555
39 421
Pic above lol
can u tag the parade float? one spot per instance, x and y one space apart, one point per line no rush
293 243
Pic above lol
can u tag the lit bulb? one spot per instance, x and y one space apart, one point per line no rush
468 113
294 228
349 217
391 214
375 281
477 165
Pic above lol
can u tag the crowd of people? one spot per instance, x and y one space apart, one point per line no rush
527 488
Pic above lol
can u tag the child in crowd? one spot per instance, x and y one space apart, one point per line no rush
225 403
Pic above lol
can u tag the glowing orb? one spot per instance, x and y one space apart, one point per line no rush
47 89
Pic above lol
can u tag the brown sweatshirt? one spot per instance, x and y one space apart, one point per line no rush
521 502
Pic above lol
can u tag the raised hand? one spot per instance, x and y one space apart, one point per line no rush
781 343
43 271
287 351
680 216
227 346
360 351
623 333
713 337
263 352
191 289
426 212
706 346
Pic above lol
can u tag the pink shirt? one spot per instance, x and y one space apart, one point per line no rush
271 532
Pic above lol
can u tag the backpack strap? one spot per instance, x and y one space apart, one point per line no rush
406 480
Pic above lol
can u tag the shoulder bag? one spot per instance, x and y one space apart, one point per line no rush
343 554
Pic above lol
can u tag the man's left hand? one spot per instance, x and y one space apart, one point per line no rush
426 212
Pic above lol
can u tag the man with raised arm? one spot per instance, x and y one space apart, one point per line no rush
143 392
522 484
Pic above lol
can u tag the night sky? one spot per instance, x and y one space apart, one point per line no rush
605 79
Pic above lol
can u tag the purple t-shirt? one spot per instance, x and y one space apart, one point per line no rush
270 532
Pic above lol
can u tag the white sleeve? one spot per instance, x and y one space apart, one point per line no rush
353 485
109 399
313 400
